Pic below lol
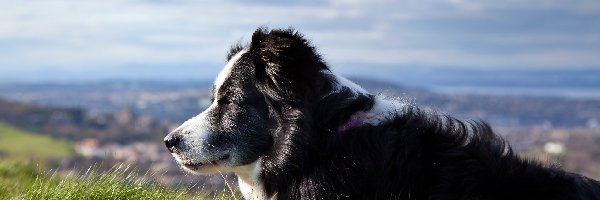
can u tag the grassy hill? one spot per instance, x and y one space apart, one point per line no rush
17 144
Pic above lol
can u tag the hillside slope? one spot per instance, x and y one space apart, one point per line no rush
17 144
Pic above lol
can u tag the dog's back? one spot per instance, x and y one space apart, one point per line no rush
417 155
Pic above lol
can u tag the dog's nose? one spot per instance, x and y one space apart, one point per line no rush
171 141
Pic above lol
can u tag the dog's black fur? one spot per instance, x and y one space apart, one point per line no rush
411 155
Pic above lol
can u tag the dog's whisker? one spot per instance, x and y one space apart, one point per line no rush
226 183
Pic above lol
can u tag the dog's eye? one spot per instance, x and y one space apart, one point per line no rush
224 100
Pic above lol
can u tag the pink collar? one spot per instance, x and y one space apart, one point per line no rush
354 121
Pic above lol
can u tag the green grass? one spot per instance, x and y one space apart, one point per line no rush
25 181
17 144
116 184
16 178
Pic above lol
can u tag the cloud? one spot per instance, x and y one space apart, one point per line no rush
478 34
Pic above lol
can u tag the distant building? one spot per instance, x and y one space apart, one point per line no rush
90 147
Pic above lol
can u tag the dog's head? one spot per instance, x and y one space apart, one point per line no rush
277 71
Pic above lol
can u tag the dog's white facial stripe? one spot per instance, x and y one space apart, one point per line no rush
224 74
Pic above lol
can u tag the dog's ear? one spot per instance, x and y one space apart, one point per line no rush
287 67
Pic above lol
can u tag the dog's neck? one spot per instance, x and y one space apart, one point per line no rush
383 109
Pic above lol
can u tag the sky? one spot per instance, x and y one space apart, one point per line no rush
74 40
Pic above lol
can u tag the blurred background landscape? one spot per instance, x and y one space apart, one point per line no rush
102 82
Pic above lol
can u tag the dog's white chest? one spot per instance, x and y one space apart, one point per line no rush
249 182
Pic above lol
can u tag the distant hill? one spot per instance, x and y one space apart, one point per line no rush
500 110
35 117
76 123
432 77
173 103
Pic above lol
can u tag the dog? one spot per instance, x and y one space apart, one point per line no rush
290 128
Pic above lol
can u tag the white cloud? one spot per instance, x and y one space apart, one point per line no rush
71 33
579 6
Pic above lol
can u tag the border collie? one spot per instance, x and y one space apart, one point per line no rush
292 129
